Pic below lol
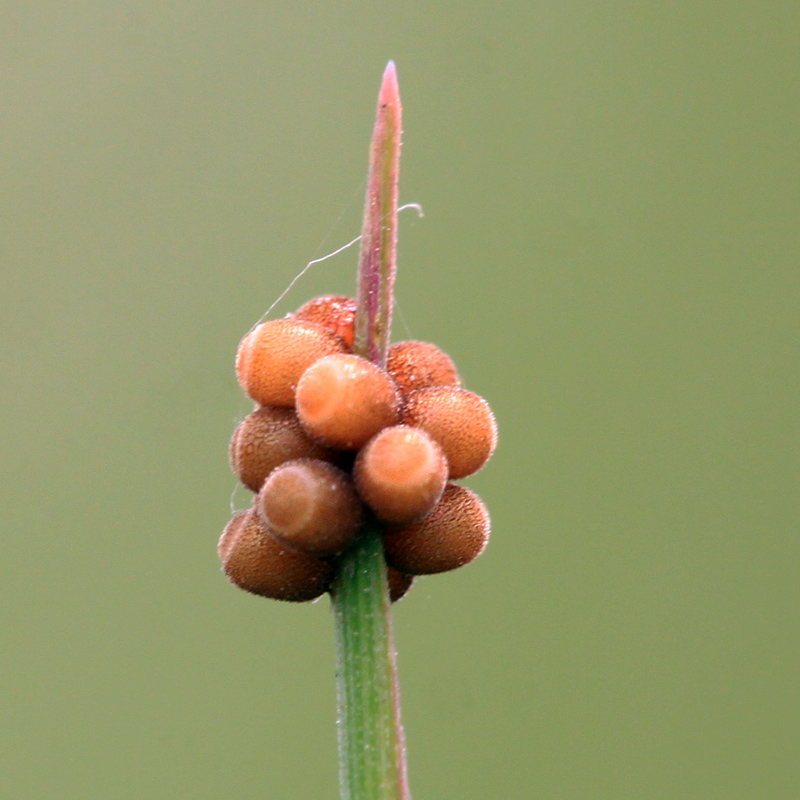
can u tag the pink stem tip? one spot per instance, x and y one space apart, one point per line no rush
378 258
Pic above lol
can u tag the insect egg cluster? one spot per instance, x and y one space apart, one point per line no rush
335 439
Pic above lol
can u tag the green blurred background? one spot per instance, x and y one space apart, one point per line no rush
610 253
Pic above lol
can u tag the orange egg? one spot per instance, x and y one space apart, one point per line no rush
460 421
417 365
344 400
400 474
273 356
336 313
311 507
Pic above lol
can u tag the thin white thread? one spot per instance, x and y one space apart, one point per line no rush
402 318
359 190
417 206
232 501
420 214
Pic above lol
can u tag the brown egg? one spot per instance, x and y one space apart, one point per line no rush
266 439
399 584
255 561
453 534
336 313
417 365
400 474
273 356
460 421
232 530
311 507
344 400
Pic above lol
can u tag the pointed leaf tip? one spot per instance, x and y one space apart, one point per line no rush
378 257
390 91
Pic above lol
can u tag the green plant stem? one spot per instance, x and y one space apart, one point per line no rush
371 751
371 748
